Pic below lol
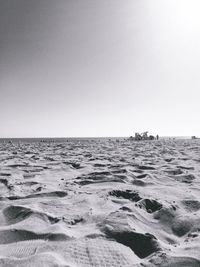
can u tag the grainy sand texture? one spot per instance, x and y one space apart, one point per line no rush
100 203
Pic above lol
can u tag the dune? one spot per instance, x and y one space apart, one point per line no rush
100 203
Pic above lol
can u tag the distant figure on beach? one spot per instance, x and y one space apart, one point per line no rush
138 137
145 136
157 137
151 137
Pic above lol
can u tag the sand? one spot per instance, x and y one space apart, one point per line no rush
100 203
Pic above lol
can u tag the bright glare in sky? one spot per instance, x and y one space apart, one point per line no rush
99 68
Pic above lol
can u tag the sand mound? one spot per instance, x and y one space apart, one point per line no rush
83 252
15 214
171 261
15 235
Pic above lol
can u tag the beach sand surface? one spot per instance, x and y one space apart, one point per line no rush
100 203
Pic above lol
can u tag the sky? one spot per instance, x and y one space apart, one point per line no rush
86 68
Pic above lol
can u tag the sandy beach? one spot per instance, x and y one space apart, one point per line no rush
100 203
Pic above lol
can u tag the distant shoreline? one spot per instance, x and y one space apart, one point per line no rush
62 139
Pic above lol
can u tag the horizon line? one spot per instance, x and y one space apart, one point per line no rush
65 137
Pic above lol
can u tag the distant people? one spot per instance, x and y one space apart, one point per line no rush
144 136
138 137
151 137
157 137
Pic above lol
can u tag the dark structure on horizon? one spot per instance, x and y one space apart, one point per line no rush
143 136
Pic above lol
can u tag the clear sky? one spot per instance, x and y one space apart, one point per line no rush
99 67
